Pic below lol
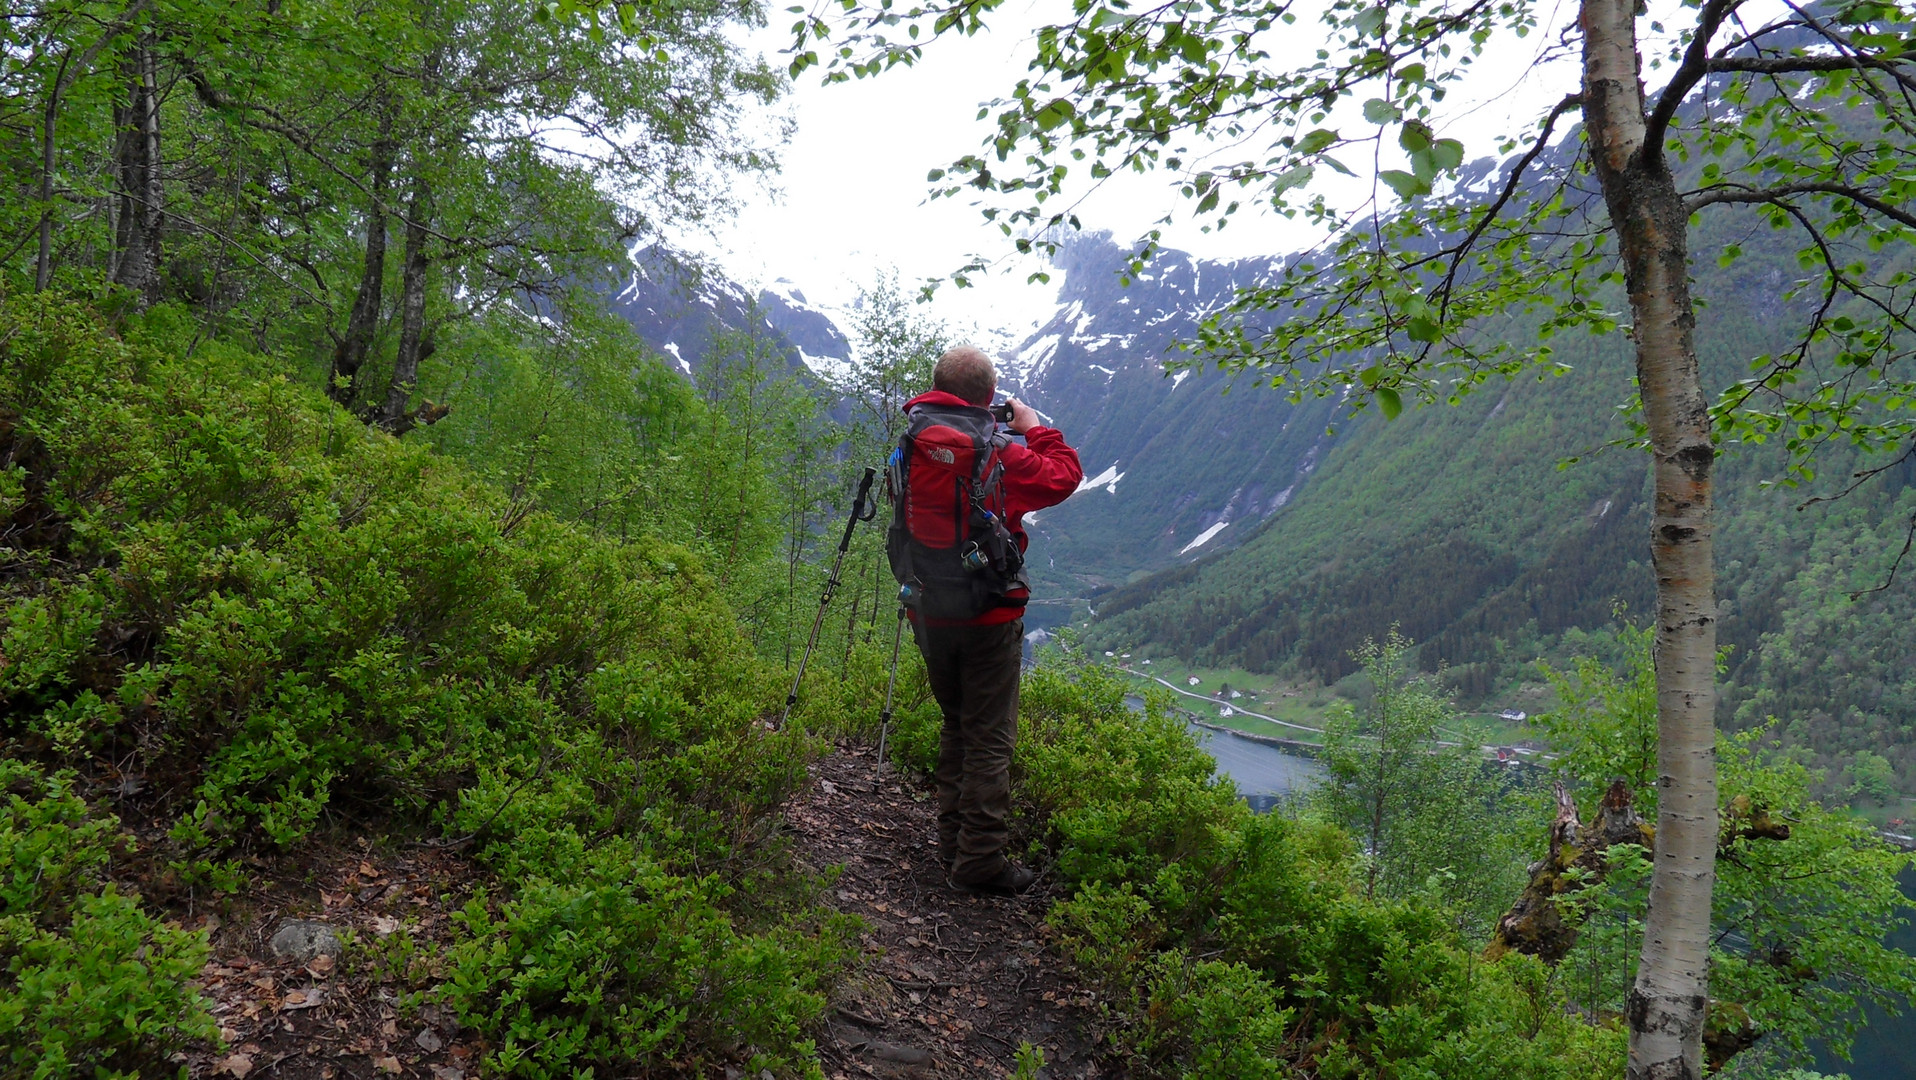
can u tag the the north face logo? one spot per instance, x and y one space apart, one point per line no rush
941 455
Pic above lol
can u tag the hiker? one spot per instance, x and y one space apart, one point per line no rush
960 486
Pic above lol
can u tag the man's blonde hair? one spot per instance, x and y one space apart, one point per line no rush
967 372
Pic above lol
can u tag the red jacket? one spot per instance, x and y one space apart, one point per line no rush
1043 472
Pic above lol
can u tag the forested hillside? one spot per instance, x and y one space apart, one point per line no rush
1463 526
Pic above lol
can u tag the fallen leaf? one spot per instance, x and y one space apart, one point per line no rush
448 1072
303 999
428 1040
389 1029
384 924
366 870
320 967
387 1064
236 1065
265 982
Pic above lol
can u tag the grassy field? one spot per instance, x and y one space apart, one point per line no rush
1305 704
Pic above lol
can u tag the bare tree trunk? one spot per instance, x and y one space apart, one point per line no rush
1667 1003
70 69
154 202
350 354
137 238
1535 923
43 264
414 342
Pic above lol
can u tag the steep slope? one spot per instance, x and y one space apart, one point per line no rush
680 309
1176 465
1458 526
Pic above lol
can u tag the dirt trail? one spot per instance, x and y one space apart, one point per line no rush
953 984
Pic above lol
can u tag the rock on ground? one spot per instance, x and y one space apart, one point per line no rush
300 940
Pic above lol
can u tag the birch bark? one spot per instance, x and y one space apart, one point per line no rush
1667 1003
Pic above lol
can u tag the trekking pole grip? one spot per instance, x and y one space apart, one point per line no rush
858 507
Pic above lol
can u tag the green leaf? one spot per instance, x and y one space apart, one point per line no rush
1055 113
1291 178
1379 111
1404 184
1316 141
1388 401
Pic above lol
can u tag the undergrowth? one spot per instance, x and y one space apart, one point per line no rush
235 611
1235 944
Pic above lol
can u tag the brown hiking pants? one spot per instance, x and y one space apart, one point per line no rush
974 675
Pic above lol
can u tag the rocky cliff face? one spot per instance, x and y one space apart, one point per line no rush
1178 464
679 308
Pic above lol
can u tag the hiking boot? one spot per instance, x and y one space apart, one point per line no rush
1010 881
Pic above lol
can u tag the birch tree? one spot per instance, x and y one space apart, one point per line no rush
1795 117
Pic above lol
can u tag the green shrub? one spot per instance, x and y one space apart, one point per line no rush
307 621
1233 944
634 965
91 985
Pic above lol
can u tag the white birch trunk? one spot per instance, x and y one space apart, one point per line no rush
1666 1005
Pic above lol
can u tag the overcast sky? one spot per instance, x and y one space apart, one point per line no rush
851 199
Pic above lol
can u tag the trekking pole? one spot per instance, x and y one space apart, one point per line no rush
859 513
884 718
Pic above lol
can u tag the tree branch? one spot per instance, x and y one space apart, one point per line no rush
1695 65
1838 38
1794 65
1572 101
1908 540
1736 194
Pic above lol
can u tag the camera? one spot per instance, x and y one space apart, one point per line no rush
1001 412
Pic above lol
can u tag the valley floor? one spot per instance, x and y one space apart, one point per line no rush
952 984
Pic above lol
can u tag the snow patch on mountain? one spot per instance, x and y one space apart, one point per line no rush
1203 538
1032 359
830 368
1108 480
673 348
